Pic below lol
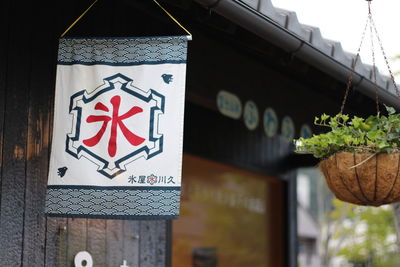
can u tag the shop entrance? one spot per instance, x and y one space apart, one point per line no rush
229 217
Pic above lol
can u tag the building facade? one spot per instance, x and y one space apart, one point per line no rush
247 97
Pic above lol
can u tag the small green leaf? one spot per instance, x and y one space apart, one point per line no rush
383 144
390 110
324 117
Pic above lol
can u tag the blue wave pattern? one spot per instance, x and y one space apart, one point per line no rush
122 51
118 203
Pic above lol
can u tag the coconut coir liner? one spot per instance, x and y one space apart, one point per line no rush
373 182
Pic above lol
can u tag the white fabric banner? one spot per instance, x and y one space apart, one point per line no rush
118 128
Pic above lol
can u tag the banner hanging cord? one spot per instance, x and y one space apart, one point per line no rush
155 1
175 20
78 19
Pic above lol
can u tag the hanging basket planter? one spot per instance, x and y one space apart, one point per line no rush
360 156
370 179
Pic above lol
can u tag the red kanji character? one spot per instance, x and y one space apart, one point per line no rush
116 121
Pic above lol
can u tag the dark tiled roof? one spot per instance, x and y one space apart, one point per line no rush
288 20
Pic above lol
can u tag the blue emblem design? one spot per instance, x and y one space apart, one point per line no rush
250 115
287 129
270 122
229 104
153 103
167 78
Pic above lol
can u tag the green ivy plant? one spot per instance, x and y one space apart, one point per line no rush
376 134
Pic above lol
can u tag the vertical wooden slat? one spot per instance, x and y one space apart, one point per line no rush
147 243
96 242
42 86
168 248
14 139
56 242
77 238
161 243
4 28
114 237
56 239
152 243
131 243
35 221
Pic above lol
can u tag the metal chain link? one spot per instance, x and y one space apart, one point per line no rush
373 29
349 81
373 59
386 59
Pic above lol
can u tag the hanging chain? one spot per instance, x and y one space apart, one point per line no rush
373 30
349 81
373 58
386 59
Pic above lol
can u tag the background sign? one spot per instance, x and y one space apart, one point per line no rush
250 115
287 130
229 105
271 122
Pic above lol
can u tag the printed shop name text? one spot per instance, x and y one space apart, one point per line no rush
151 179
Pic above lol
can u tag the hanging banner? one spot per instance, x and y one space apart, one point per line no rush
118 128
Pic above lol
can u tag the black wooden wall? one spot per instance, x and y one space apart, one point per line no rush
28 50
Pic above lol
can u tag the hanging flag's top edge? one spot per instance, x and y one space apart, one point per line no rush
122 51
183 37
